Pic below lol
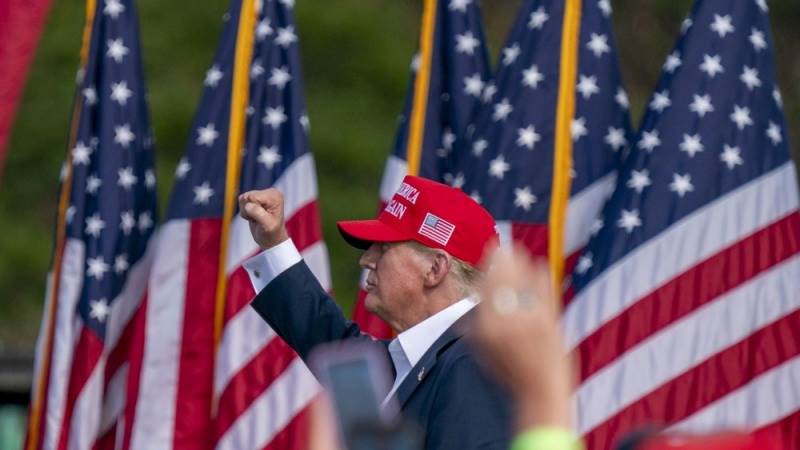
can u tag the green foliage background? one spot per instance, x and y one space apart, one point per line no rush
356 56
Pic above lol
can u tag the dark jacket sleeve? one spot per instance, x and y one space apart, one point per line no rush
470 411
301 312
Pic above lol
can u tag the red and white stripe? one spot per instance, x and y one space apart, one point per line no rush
261 389
700 326
261 384
85 390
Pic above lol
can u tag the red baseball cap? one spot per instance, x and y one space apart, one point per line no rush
433 214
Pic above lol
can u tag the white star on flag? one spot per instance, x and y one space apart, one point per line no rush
126 178
113 8
660 101
94 225
97 267
269 156
629 220
149 179
286 36
538 18
673 61
605 7
116 49
123 135
531 76
304 122
90 94
183 168
203 193
466 43
527 137
622 98
98 309
712 65
523 198
597 225
498 167
686 24
691 144
274 117
279 77
776 94
722 25
649 140
750 78
256 70
70 213
510 54
127 222
681 184
639 180
701 104
763 5
145 221
598 44
121 263
587 86
448 138
479 146
213 75
616 138
741 117
731 156
584 263
489 92
263 29
80 154
578 128
757 39
207 135
774 133
473 85
120 92
459 5
502 110
93 183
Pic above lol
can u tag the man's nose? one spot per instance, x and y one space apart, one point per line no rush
369 259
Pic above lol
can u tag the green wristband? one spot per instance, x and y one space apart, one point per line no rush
546 438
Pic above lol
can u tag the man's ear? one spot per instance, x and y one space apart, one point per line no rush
438 270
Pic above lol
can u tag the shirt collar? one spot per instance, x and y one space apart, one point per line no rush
416 340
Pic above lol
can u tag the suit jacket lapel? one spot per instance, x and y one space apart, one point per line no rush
424 366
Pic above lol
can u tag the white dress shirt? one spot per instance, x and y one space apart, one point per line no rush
405 350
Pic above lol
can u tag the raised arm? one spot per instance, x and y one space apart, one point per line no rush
289 297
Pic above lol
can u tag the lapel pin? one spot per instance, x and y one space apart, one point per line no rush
421 374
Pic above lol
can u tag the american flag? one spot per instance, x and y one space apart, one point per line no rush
687 312
103 254
450 73
509 163
252 391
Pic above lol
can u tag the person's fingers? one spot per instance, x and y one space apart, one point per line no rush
256 213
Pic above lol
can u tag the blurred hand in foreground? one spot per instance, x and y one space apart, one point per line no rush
263 210
518 335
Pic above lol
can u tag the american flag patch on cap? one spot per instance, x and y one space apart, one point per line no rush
436 229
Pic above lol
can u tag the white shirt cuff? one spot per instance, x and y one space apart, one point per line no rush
265 266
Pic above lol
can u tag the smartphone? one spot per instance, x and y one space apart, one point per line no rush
357 378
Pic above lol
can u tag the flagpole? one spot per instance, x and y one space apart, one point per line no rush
416 128
35 416
562 162
236 132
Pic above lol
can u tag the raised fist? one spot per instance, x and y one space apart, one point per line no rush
263 210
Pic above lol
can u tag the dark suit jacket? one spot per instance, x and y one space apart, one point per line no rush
446 392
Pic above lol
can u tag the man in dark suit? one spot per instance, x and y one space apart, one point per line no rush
421 257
